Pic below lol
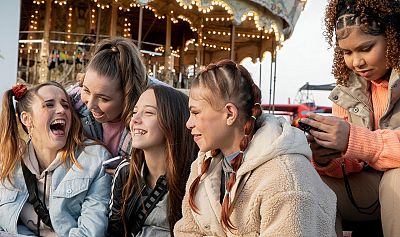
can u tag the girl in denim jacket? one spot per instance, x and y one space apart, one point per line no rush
54 184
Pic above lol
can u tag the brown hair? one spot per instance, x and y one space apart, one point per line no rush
228 82
383 13
13 146
120 60
172 106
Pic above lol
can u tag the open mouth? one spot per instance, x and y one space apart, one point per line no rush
57 127
139 132
97 114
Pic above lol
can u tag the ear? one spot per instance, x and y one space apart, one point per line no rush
232 113
26 119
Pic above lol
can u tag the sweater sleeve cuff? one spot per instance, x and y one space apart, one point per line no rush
363 144
332 169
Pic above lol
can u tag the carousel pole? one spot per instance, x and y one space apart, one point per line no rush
270 76
200 46
140 27
98 25
167 63
273 97
113 23
260 56
44 51
181 82
233 42
27 66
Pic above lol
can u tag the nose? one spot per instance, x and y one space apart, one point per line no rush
60 109
90 102
135 118
358 61
190 123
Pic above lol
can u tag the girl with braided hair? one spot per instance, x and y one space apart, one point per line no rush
353 147
252 176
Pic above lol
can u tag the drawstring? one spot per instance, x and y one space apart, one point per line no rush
362 210
44 200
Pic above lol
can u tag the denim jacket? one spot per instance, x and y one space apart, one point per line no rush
78 202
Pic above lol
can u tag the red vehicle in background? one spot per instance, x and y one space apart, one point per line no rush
306 104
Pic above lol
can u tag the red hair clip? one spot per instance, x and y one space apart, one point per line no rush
19 90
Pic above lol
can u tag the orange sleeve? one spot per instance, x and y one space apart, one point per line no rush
334 168
379 148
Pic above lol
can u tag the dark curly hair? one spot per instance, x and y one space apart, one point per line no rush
375 17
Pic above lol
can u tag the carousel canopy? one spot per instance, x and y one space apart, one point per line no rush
257 26
172 34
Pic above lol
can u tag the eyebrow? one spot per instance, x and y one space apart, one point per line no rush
52 100
98 94
147 106
362 45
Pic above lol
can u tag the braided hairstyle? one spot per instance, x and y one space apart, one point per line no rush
228 82
375 17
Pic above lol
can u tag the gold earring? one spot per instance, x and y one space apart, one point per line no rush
30 129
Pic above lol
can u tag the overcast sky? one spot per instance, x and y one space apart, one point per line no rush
305 57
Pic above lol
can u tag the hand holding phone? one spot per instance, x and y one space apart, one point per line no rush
305 127
113 162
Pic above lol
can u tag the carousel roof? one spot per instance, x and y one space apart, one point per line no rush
198 25
260 25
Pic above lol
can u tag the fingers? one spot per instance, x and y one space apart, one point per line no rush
310 138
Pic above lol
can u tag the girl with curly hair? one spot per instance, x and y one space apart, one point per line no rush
357 151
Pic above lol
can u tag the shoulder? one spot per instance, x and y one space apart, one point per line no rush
122 171
154 81
95 151
290 173
74 93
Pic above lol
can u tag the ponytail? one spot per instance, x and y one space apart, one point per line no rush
11 142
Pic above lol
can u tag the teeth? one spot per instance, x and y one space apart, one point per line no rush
139 132
58 121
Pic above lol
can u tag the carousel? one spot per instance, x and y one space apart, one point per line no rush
176 37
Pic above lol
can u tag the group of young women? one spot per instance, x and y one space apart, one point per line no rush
251 174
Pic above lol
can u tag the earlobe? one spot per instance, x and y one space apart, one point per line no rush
231 113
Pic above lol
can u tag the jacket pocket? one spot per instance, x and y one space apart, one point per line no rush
7 196
70 195
71 188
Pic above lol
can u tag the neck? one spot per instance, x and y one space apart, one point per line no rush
156 163
232 144
44 156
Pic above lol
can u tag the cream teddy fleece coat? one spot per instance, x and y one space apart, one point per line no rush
277 190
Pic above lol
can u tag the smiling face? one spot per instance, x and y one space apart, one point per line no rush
102 96
208 125
50 119
364 54
144 125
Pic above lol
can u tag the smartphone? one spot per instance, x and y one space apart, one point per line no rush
113 162
305 127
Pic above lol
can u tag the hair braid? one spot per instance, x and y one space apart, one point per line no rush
244 143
